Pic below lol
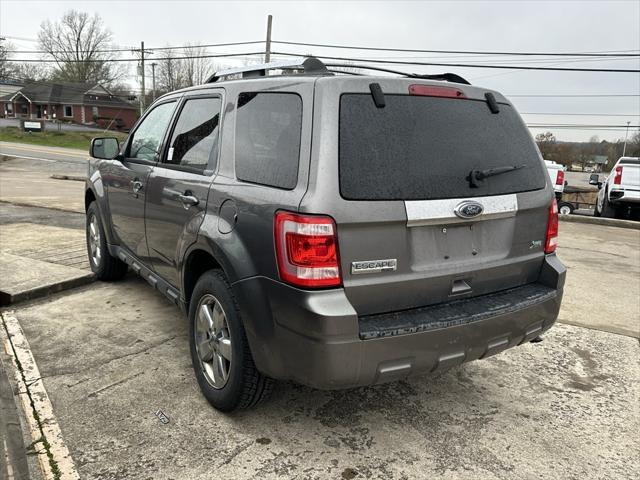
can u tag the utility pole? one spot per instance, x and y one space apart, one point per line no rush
153 80
624 149
142 73
267 53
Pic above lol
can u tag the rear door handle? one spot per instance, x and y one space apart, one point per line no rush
188 199
136 186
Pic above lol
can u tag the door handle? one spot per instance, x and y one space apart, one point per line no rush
188 200
136 186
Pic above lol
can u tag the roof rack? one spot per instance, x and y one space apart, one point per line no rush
309 65
314 66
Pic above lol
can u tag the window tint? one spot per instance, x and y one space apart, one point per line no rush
421 148
147 138
194 142
268 138
630 161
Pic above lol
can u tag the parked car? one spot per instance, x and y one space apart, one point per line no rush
333 229
619 193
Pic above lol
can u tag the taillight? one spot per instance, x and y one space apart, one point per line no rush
617 180
436 91
560 178
552 228
307 250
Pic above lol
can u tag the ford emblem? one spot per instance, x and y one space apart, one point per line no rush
468 209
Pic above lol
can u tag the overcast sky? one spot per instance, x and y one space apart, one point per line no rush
541 26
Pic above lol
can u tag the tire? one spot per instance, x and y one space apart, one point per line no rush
220 354
565 208
607 210
105 266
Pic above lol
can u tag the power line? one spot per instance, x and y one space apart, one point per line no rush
182 57
129 49
550 54
465 65
369 60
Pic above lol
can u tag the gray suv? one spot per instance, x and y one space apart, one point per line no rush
331 228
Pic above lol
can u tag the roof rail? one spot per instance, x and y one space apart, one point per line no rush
308 65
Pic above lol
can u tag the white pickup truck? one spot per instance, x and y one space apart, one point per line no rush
619 194
556 174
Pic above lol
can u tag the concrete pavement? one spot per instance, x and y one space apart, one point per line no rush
603 277
36 258
112 356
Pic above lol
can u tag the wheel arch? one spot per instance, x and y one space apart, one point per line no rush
89 198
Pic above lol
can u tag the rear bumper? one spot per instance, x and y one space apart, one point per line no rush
624 195
317 339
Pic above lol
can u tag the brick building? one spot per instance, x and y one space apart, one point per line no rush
65 101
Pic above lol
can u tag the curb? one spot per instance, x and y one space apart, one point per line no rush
68 177
27 204
48 445
10 299
607 222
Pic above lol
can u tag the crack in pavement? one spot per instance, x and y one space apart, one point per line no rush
119 357
97 392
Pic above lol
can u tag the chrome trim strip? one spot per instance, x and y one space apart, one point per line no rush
437 212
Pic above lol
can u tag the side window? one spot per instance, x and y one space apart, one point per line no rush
194 142
146 140
267 147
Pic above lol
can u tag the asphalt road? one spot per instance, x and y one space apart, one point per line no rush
47 154
27 180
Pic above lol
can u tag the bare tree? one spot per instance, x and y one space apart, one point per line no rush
77 44
546 142
171 74
6 67
30 72
196 68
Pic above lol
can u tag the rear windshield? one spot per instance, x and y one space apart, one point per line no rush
630 161
422 148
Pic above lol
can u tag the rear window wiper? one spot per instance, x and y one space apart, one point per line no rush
476 176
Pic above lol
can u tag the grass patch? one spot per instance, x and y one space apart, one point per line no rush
53 138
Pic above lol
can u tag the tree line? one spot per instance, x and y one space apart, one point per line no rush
582 153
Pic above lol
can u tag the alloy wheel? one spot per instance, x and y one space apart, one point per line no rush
213 341
94 240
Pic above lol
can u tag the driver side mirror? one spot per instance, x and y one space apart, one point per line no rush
106 148
594 179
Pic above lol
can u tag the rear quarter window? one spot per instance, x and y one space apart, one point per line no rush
423 148
267 140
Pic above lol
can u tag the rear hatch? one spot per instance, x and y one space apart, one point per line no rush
393 178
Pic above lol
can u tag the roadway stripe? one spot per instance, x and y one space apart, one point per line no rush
19 155
46 150
32 392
